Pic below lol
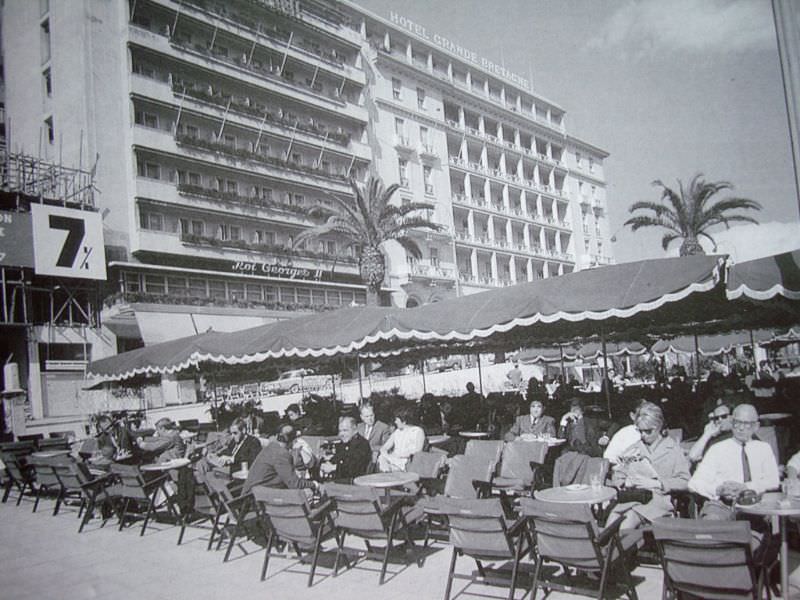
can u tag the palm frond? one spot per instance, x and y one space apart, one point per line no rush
668 239
640 221
410 246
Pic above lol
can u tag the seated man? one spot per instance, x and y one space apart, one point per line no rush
114 440
717 429
626 436
294 417
580 433
535 423
303 456
406 441
374 431
241 448
166 444
273 467
734 465
352 455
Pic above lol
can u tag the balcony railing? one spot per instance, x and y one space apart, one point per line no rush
431 272
272 249
246 106
427 150
241 153
187 298
237 199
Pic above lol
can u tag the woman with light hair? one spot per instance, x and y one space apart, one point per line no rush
655 465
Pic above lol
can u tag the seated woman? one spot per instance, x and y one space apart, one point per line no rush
407 440
655 463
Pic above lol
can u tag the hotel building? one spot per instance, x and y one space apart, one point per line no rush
211 126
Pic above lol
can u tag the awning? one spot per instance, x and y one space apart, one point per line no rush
766 278
589 351
711 345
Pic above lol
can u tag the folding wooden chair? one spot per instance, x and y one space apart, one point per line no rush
489 449
238 510
20 475
206 507
479 529
518 466
429 466
76 480
46 480
569 535
707 559
130 487
288 517
365 513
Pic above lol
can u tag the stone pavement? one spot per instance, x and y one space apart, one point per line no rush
43 557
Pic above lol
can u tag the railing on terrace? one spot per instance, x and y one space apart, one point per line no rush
432 272
269 72
272 249
246 201
179 296
241 153
245 106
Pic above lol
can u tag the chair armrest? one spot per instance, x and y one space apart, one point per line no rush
483 488
149 485
434 486
103 479
610 530
321 510
518 527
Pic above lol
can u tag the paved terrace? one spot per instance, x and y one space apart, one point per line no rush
43 557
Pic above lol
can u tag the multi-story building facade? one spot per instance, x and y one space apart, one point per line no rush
212 126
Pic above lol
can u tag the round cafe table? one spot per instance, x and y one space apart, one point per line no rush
435 440
576 494
51 453
386 481
776 505
473 434
175 463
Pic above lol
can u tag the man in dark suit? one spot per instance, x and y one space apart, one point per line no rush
374 431
273 466
352 454
536 423
581 434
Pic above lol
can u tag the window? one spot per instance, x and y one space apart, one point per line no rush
216 289
198 287
147 119
580 188
148 169
578 159
421 98
403 171
232 187
266 238
235 233
591 165
399 127
154 284
254 292
427 177
230 141
266 194
195 179
423 136
192 131
299 199
49 130
192 227
330 248
434 254
297 158
396 87
150 220
132 283
47 81
594 191
44 40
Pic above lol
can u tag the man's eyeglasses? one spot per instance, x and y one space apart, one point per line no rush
744 424
647 431
717 418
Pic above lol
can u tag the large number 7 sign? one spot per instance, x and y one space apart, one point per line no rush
68 242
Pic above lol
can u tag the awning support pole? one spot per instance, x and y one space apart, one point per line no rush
360 384
606 381
696 359
561 354
422 371
480 374
753 348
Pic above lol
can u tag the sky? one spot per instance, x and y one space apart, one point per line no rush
669 88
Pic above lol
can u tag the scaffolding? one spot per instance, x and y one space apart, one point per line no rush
48 182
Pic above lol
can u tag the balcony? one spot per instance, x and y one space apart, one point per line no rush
598 204
428 151
186 297
403 143
252 74
431 272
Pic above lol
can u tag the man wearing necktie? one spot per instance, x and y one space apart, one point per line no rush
734 465
535 423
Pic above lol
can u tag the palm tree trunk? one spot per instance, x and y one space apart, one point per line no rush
691 246
373 297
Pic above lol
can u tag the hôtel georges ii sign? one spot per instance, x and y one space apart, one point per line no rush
465 53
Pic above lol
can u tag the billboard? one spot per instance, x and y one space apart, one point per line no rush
68 242
16 245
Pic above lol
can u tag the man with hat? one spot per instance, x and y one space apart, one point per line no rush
581 434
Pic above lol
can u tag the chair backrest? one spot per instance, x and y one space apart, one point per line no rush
17 467
66 470
131 482
45 475
491 449
33 437
358 509
53 444
708 559
766 433
676 434
463 471
18 448
67 433
477 527
427 464
314 442
184 423
573 467
287 511
517 458
564 533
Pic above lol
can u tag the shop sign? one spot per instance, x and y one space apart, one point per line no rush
16 245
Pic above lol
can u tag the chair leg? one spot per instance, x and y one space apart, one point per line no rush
87 514
604 575
514 572
8 485
339 551
234 534
536 572
481 571
388 550
266 555
315 557
214 526
151 508
38 496
123 514
82 506
450 574
59 499
222 532
21 492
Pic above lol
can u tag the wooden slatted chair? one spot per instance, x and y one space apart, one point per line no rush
131 488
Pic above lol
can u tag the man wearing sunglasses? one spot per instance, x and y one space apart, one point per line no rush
717 429
734 465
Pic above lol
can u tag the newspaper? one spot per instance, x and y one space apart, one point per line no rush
637 467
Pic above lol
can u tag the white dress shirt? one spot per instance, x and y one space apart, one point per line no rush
723 462
623 439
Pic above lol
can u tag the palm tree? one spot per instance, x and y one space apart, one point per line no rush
687 213
367 225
